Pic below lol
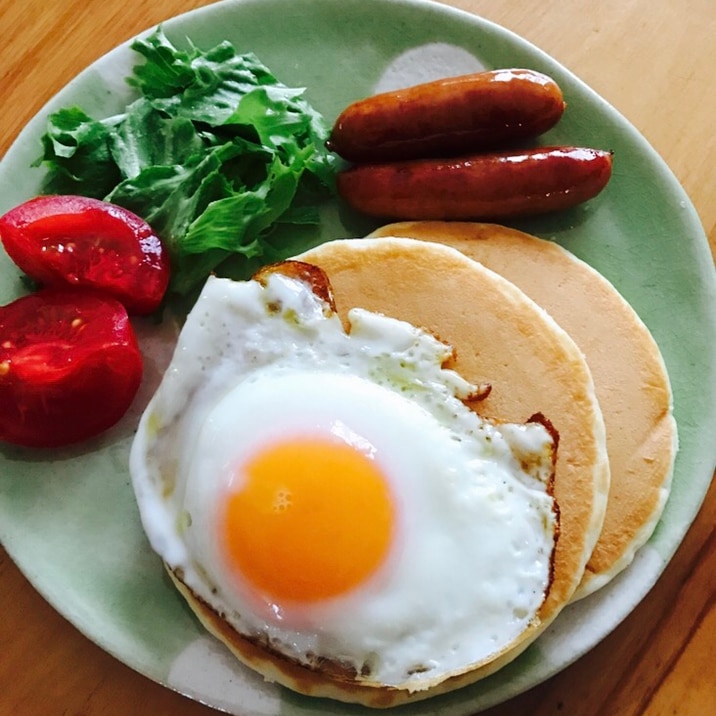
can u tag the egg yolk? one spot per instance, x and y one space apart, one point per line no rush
313 519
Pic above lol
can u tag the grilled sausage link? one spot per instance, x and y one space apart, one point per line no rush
468 113
495 185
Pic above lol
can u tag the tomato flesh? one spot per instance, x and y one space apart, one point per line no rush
78 241
70 367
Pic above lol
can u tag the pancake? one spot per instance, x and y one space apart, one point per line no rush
331 681
630 377
500 336
503 338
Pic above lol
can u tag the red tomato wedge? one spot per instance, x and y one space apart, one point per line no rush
77 241
70 366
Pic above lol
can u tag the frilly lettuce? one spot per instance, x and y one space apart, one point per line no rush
214 153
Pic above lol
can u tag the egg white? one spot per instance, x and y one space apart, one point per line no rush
470 563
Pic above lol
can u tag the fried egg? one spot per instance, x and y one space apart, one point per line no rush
327 491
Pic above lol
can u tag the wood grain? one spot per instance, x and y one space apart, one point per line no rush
653 61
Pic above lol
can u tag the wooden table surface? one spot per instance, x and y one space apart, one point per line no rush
654 61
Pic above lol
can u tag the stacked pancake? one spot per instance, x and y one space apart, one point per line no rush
551 337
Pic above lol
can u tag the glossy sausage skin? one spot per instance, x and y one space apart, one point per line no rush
497 185
457 115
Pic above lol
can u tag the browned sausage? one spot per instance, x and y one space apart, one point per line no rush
457 115
497 185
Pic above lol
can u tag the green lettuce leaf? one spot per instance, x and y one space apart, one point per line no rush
77 154
215 152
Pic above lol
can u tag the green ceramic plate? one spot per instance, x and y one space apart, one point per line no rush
68 518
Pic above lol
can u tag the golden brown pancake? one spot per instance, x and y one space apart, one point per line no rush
501 337
331 681
631 381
